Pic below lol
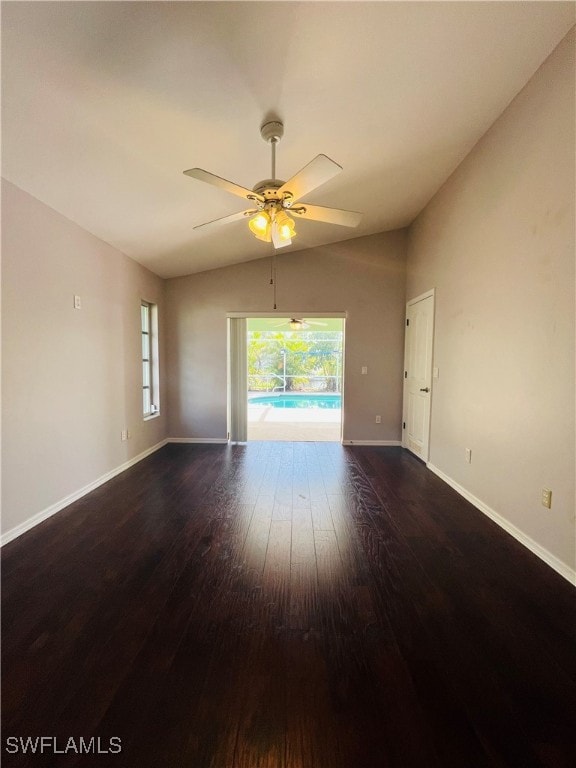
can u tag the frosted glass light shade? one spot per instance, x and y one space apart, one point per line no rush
260 226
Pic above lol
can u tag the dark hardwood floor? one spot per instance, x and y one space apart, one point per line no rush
285 605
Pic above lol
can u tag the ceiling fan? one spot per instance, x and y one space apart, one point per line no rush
272 199
298 324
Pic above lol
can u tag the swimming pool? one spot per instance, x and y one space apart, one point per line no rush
298 401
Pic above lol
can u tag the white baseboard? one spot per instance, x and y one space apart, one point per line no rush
372 442
204 440
550 559
13 533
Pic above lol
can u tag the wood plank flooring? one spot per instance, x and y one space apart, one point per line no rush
285 605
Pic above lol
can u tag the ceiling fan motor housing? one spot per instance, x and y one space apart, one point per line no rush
268 189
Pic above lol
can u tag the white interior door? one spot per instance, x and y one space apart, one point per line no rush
418 374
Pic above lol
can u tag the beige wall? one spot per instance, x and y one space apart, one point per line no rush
497 242
71 379
364 277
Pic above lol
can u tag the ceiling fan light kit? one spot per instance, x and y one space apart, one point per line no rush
273 224
260 226
272 198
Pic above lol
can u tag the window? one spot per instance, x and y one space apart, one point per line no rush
150 374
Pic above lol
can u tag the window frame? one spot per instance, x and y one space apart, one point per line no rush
149 359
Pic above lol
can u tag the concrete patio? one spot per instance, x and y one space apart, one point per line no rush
302 424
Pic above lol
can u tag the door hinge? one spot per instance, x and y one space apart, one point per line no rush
403 425
407 321
405 374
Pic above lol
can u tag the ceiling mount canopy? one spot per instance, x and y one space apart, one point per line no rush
272 198
272 131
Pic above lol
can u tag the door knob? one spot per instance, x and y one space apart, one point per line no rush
425 389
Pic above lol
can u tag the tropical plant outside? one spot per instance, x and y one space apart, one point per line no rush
294 361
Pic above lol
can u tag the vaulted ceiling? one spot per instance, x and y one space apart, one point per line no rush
106 103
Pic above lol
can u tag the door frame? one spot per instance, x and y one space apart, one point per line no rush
288 313
426 295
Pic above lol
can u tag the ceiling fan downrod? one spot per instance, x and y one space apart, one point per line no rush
272 132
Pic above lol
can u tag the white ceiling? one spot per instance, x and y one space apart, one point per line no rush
106 103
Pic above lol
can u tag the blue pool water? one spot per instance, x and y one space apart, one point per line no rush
298 401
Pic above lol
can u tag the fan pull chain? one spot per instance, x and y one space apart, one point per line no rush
273 276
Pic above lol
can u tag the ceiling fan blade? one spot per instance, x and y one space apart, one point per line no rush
226 219
317 172
314 322
228 186
329 215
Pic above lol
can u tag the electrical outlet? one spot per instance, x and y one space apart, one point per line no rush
547 498
469 455
77 302
378 419
364 370
124 435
